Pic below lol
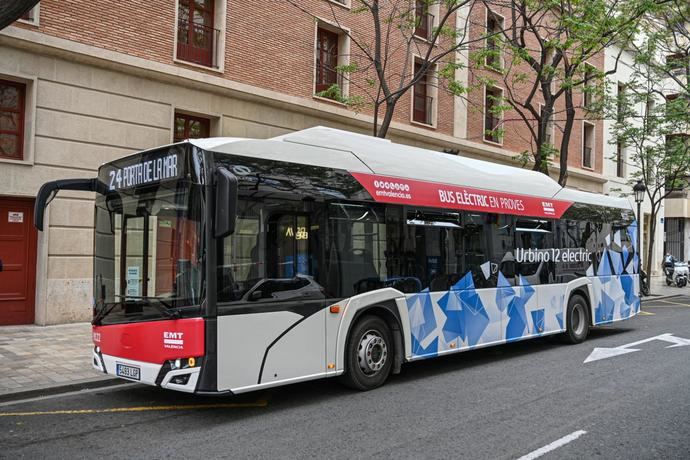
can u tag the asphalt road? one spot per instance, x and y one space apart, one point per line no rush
504 402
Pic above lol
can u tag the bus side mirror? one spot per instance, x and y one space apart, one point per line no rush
226 203
48 191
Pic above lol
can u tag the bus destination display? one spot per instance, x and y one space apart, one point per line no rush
143 173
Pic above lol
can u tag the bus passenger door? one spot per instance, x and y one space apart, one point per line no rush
271 318
291 268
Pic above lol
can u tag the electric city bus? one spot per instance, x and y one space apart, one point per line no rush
228 265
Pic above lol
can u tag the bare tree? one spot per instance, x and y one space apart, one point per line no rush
382 67
542 54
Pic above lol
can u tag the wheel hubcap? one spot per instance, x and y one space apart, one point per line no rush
578 320
372 352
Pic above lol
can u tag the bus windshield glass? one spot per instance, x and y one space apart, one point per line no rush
148 253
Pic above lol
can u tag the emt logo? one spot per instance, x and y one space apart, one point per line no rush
173 340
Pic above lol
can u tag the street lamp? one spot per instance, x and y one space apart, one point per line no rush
639 189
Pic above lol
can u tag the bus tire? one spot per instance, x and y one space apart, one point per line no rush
369 354
576 320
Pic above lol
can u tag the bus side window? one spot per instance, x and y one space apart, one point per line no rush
537 235
357 249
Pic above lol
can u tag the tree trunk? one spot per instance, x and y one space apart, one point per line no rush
650 248
387 118
565 141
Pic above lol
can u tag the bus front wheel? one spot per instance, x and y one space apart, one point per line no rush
369 354
576 320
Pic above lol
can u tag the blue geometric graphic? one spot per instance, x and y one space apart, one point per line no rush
454 325
632 233
517 324
617 262
632 302
429 352
466 282
504 293
527 289
475 316
626 255
604 311
466 317
538 321
421 311
604 268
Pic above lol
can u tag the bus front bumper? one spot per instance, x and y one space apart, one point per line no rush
163 375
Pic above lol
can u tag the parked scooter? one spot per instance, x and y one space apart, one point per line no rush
677 275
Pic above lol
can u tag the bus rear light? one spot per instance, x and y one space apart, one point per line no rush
335 309
191 362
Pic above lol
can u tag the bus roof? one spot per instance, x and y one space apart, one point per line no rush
358 153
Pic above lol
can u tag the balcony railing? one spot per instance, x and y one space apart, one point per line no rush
197 43
587 157
425 26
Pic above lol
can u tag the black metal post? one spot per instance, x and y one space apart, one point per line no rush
639 239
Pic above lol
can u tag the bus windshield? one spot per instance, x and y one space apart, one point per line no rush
148 253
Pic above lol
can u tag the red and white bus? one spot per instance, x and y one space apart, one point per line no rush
229 265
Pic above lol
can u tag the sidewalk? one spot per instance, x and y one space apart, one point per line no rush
34 358
660 290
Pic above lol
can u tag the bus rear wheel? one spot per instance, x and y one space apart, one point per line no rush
369 354
576 320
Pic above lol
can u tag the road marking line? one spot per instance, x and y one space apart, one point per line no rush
645 313
260 403
674 303
553 446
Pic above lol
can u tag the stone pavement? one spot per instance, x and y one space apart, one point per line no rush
659 288
45 357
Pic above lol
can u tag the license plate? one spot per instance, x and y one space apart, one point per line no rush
129 372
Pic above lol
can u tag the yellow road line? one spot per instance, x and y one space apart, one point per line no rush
112 410
668 302
645 313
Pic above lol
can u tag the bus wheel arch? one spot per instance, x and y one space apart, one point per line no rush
369 352
388 312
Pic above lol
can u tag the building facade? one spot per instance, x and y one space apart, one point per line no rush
83 83
619 166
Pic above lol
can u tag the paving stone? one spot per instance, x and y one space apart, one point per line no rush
33 357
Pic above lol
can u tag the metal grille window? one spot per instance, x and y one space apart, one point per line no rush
492 119
196 38
422 104
190 127
12 97
424 21
588 146
326 59
494 26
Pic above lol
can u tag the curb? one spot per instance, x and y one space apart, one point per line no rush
658 297
56 390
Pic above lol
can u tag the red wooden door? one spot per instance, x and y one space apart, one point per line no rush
18 258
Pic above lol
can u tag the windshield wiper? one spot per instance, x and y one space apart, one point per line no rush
165 308
102 313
